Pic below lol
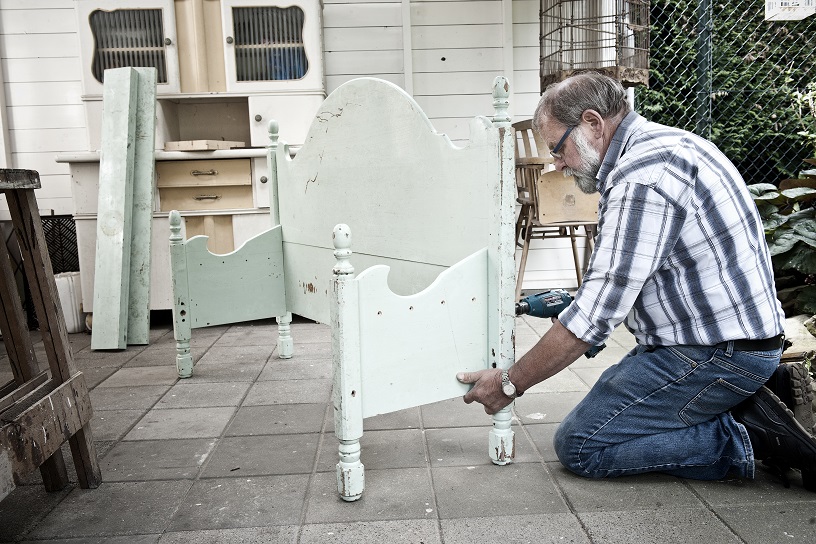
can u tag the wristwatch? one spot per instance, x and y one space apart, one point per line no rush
507 386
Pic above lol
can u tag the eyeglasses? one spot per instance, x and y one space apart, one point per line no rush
555 150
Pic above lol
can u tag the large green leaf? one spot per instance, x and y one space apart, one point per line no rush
773 221
806 300
771 197
806 230
799 193
801 258
758 189
781 240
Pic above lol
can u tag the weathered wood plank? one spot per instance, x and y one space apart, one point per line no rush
138 320
28 439
13 323
19 179
113 235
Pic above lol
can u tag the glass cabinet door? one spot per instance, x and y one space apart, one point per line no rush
137 33
275 46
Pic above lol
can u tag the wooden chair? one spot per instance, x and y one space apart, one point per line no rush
551 205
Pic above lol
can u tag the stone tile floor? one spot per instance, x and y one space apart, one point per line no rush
245 452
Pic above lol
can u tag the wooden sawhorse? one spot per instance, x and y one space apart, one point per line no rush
39 411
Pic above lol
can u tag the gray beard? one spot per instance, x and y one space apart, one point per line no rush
586 184
585 176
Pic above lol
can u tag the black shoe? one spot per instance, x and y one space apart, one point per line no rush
791 382
776 436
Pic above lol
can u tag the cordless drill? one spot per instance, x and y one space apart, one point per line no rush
550 304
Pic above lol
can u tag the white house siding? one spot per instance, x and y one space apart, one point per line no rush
445 53
39 57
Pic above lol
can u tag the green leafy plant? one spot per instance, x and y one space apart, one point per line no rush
789 220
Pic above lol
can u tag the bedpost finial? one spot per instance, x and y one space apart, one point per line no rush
341 236
273 127
175 226
501 101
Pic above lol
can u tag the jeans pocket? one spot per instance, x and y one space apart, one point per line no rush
716 398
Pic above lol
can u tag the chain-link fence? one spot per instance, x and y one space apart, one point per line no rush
720 70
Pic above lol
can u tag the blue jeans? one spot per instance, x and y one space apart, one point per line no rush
666 410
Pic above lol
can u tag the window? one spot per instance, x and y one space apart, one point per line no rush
269 43
128 37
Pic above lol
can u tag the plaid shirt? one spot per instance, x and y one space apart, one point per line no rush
680 255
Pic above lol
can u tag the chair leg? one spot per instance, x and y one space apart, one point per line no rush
575 255
521 222
525 249
590 245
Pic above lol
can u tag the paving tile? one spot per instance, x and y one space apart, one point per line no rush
221 371
95 376
564 381
408 531
113 424
289 392
657 526
312 350
391 494
296 369
258 333
542 437
250 535
127 398
262 455
26 506
156 459
403 448
772 522
132 377
524 488
454 413
162 355
310 332
278 419
641 492
129 539
114 509
88 358
766 488
546 407
182 423
468 446
228 503
193 394
538 528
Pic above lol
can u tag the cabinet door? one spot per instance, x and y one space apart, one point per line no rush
273 45
138 33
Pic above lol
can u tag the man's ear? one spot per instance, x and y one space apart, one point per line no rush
595 121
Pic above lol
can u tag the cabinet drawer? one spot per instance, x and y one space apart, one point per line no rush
206 173
205 198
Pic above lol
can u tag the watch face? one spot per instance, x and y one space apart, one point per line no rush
509 389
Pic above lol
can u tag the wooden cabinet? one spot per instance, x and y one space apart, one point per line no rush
225 69
206 185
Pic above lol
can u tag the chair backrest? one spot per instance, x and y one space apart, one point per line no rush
558 200
532 158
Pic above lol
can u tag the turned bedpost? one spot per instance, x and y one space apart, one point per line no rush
502 276
286 346
181 298
348 410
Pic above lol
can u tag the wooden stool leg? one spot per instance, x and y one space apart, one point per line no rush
28 226
24 365
575 255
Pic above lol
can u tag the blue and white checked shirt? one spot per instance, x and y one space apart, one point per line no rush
680 255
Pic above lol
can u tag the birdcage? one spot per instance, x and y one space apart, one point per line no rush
608 36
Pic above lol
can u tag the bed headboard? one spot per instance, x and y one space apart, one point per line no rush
414 201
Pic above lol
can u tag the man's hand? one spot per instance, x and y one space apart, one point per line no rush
487 389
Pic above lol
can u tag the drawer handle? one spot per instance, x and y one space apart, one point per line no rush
204 172
206 197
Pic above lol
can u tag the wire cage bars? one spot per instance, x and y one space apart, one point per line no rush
608 36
